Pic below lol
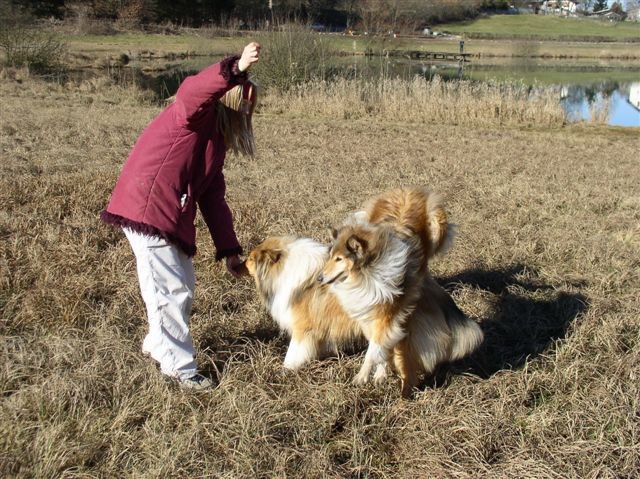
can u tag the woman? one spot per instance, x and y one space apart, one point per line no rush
174 168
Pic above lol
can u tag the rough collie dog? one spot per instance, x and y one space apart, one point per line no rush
378 270
285 271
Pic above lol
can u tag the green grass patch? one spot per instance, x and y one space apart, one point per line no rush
170 43
551 76
545 27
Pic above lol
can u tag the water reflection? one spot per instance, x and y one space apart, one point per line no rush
608 101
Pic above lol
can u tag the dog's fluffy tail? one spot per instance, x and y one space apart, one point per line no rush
466 335
439 330
414 212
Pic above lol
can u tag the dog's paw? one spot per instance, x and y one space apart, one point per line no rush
380 375
291 365
360 379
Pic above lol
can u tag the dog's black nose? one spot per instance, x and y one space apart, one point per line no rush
320 278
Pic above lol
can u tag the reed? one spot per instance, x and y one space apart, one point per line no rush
420 100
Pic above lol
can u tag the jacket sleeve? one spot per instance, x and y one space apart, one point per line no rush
217 215
198 92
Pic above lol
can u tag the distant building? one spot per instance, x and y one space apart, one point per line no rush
559 7
610 15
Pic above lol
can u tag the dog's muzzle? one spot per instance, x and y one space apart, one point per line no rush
322 280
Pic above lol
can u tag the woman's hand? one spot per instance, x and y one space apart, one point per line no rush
236 266
250 55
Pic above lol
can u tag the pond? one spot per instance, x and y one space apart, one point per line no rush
585 90
610 91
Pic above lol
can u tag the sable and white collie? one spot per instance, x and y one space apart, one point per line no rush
378 269
285 270
374 282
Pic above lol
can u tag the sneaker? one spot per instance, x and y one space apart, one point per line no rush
197 382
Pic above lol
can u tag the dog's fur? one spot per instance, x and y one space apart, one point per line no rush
416 215
285 270
375 282
378 269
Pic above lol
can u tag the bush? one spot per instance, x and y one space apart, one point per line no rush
292 55
26 45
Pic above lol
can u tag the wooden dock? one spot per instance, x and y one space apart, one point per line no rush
427 55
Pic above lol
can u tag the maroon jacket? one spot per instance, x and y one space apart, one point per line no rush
177 163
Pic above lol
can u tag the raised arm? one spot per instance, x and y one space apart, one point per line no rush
198 91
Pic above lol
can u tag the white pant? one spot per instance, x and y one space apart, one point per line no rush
167 282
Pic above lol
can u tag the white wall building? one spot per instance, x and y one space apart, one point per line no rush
559 7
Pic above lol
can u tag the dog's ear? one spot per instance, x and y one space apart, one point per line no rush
333 232
273 255
357 246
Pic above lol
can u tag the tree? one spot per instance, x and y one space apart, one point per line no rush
41 8
251 10
599 5
616 7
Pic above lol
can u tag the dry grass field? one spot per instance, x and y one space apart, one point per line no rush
546 260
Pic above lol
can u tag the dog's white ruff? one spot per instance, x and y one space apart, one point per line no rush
379 284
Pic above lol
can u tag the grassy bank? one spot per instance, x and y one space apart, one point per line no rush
545 28
515 47
545 260
89 49
195 43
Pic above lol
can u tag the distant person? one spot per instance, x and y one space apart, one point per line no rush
174 168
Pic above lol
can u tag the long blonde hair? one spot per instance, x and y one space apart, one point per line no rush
234 111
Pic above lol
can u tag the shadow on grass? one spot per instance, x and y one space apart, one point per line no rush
528 317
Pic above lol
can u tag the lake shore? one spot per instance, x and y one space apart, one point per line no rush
100 50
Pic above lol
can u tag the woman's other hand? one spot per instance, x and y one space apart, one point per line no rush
250 55
236 266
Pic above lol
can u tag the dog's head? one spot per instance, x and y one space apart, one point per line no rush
265 262
354 247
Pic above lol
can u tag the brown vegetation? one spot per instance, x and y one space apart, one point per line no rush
546 260
423 101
